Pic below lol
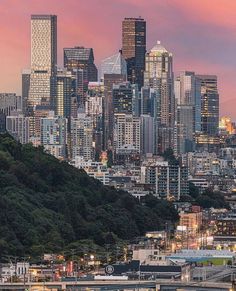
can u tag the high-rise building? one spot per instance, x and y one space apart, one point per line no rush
159 76
94 109
209 105
25 89
169 181
122 98
109 81
81 61
148 135
188 92
149 103
126 135
188 111
136 100
65 91
10 102
134 48
115 64
94 103
17 125
41 111
184 129
209 135
43 60
54 135
82 137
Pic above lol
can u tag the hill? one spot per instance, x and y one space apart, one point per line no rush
48 206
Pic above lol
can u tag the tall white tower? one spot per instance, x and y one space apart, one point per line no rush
43 60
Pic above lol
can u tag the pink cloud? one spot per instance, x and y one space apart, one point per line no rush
199 33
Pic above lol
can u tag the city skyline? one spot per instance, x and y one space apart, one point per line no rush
194 38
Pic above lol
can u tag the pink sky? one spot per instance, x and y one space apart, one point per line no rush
201 34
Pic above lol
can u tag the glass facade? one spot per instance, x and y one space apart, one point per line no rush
43 60
109 81
134 48
115 64
209 105
122 98
80 60
65 92
159 76
188 111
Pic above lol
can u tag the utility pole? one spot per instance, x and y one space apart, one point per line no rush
233 282
233 285
24 270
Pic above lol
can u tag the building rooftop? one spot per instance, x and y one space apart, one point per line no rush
78 53
159 48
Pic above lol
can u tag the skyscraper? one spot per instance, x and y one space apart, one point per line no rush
134 48
109 81
184 129
81 58
115 64
25 88
65 86
208 138
188 111
43 60
149 102
94 109
209 105
159 76
81 61
122 98
148 135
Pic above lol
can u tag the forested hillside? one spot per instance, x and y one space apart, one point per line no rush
47 205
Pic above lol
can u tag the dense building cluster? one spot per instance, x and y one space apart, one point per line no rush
135 111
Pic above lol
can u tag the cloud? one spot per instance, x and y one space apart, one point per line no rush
200 34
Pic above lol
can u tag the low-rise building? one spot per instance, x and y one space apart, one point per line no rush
54 135
191 220
95 170
17 125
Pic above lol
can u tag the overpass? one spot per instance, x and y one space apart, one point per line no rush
79 285
162 285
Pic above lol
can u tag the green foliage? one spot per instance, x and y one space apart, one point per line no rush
110 158
207 199
193 191
49 206
169 156
210 199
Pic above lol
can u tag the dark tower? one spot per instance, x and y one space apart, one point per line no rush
134 48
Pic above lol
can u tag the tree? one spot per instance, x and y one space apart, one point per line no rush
47 205
169 156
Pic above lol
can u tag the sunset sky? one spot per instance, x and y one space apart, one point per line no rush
201 34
